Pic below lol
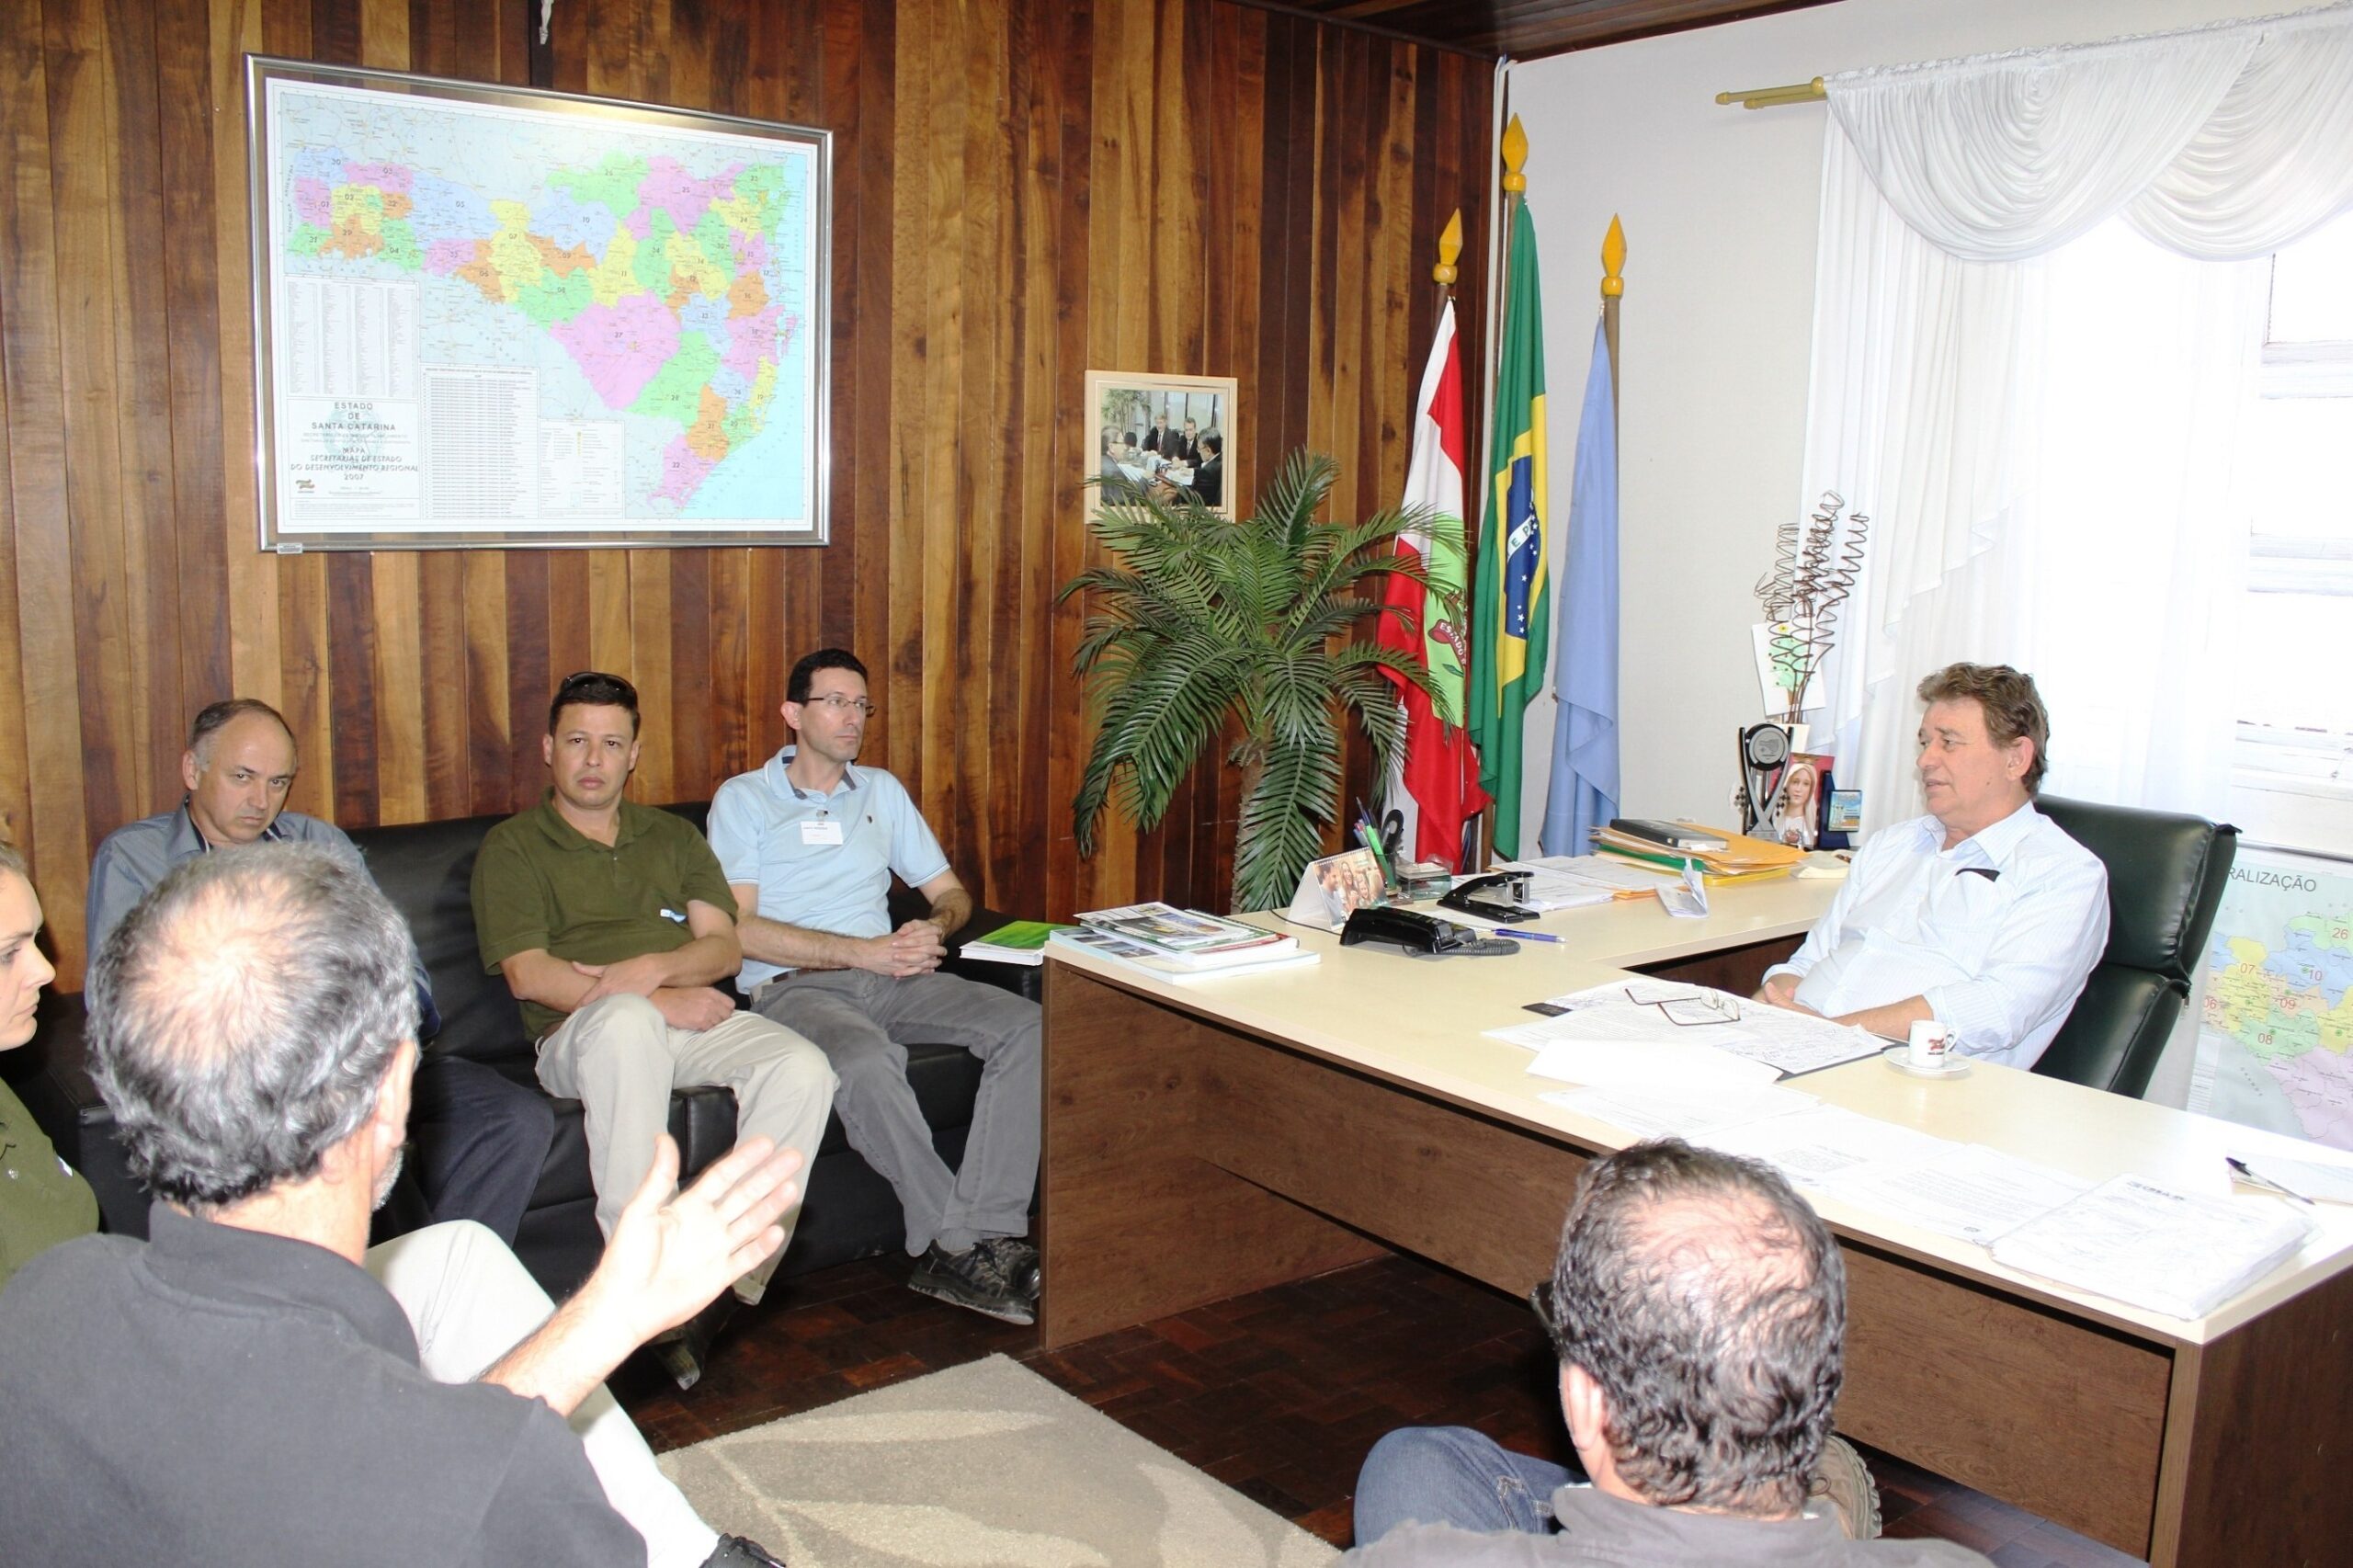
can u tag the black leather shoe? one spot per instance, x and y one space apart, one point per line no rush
740 1551
682 1351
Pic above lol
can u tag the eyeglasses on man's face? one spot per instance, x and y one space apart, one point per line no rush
1539 1296
837 704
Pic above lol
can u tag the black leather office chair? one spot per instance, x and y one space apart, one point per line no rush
2166 876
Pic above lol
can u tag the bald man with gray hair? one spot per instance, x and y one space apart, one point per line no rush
478 1139
253 1383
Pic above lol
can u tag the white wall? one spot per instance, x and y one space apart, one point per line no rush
1720 206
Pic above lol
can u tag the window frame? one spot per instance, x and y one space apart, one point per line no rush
2295 785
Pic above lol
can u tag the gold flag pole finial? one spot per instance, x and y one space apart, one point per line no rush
1613 260
1515 154
1450 246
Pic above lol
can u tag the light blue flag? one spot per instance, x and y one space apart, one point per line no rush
1583 794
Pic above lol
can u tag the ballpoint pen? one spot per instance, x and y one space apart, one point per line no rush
2252 1179
1526 936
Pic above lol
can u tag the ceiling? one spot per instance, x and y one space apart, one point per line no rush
1526 29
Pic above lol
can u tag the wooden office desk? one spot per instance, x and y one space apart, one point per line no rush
1207 1139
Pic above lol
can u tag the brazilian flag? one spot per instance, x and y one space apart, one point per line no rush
1511 629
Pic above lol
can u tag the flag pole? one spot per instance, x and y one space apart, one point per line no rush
1449 248
1430 793
1613 288
1583 791
1514 184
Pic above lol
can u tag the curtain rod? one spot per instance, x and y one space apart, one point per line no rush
1768 97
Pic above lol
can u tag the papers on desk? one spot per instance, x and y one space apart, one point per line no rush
1644 1015
1636 1048
2154 1248
1963 1189
1578 1052
1682 1112
1656 1059
1824 1144
1570 881
2305 1178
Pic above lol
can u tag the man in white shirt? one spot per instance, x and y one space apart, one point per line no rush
1982 913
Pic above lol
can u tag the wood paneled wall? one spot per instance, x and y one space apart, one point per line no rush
1024 190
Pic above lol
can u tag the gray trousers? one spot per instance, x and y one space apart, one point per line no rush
620 1058
861 1022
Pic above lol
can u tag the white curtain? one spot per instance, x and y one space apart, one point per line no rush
2036 407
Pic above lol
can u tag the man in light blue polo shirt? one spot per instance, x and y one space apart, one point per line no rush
808 845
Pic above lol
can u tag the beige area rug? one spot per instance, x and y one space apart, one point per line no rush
982 1464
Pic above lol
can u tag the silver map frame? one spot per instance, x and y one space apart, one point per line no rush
274 534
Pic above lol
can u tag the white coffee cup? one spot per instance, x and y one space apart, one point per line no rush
1930 1045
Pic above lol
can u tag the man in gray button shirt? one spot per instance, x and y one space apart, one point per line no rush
480 1138
1700 1309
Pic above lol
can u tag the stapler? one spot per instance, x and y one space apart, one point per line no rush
1485 897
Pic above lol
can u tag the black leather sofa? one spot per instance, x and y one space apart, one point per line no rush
427 868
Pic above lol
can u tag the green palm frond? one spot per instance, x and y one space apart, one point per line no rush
1282 821
1288 506
1368 657
1260 622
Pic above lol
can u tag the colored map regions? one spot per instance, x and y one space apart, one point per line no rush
2279 989
662 286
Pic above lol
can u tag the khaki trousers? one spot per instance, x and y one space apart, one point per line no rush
620 1059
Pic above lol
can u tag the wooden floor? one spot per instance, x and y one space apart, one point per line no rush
1278 1393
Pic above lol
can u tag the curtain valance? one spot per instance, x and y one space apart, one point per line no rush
2221 142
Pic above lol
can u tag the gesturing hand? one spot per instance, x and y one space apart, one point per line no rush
672 1253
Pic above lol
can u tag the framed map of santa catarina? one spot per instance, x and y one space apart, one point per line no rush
498 317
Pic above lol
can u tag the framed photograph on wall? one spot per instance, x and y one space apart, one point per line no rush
492 317
1165 434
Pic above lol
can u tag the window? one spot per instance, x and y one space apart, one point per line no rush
2295 703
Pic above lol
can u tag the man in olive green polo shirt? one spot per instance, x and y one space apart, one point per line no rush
612 924
42 1201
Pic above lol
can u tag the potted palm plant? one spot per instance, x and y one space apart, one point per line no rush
1201 619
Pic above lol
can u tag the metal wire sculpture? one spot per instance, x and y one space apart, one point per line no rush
1816 560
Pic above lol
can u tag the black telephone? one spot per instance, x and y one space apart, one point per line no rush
1420 936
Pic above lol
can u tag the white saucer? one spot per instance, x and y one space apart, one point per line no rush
1900 1058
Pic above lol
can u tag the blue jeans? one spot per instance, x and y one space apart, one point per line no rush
1452 1475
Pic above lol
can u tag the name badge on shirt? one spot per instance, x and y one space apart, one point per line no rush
825 830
